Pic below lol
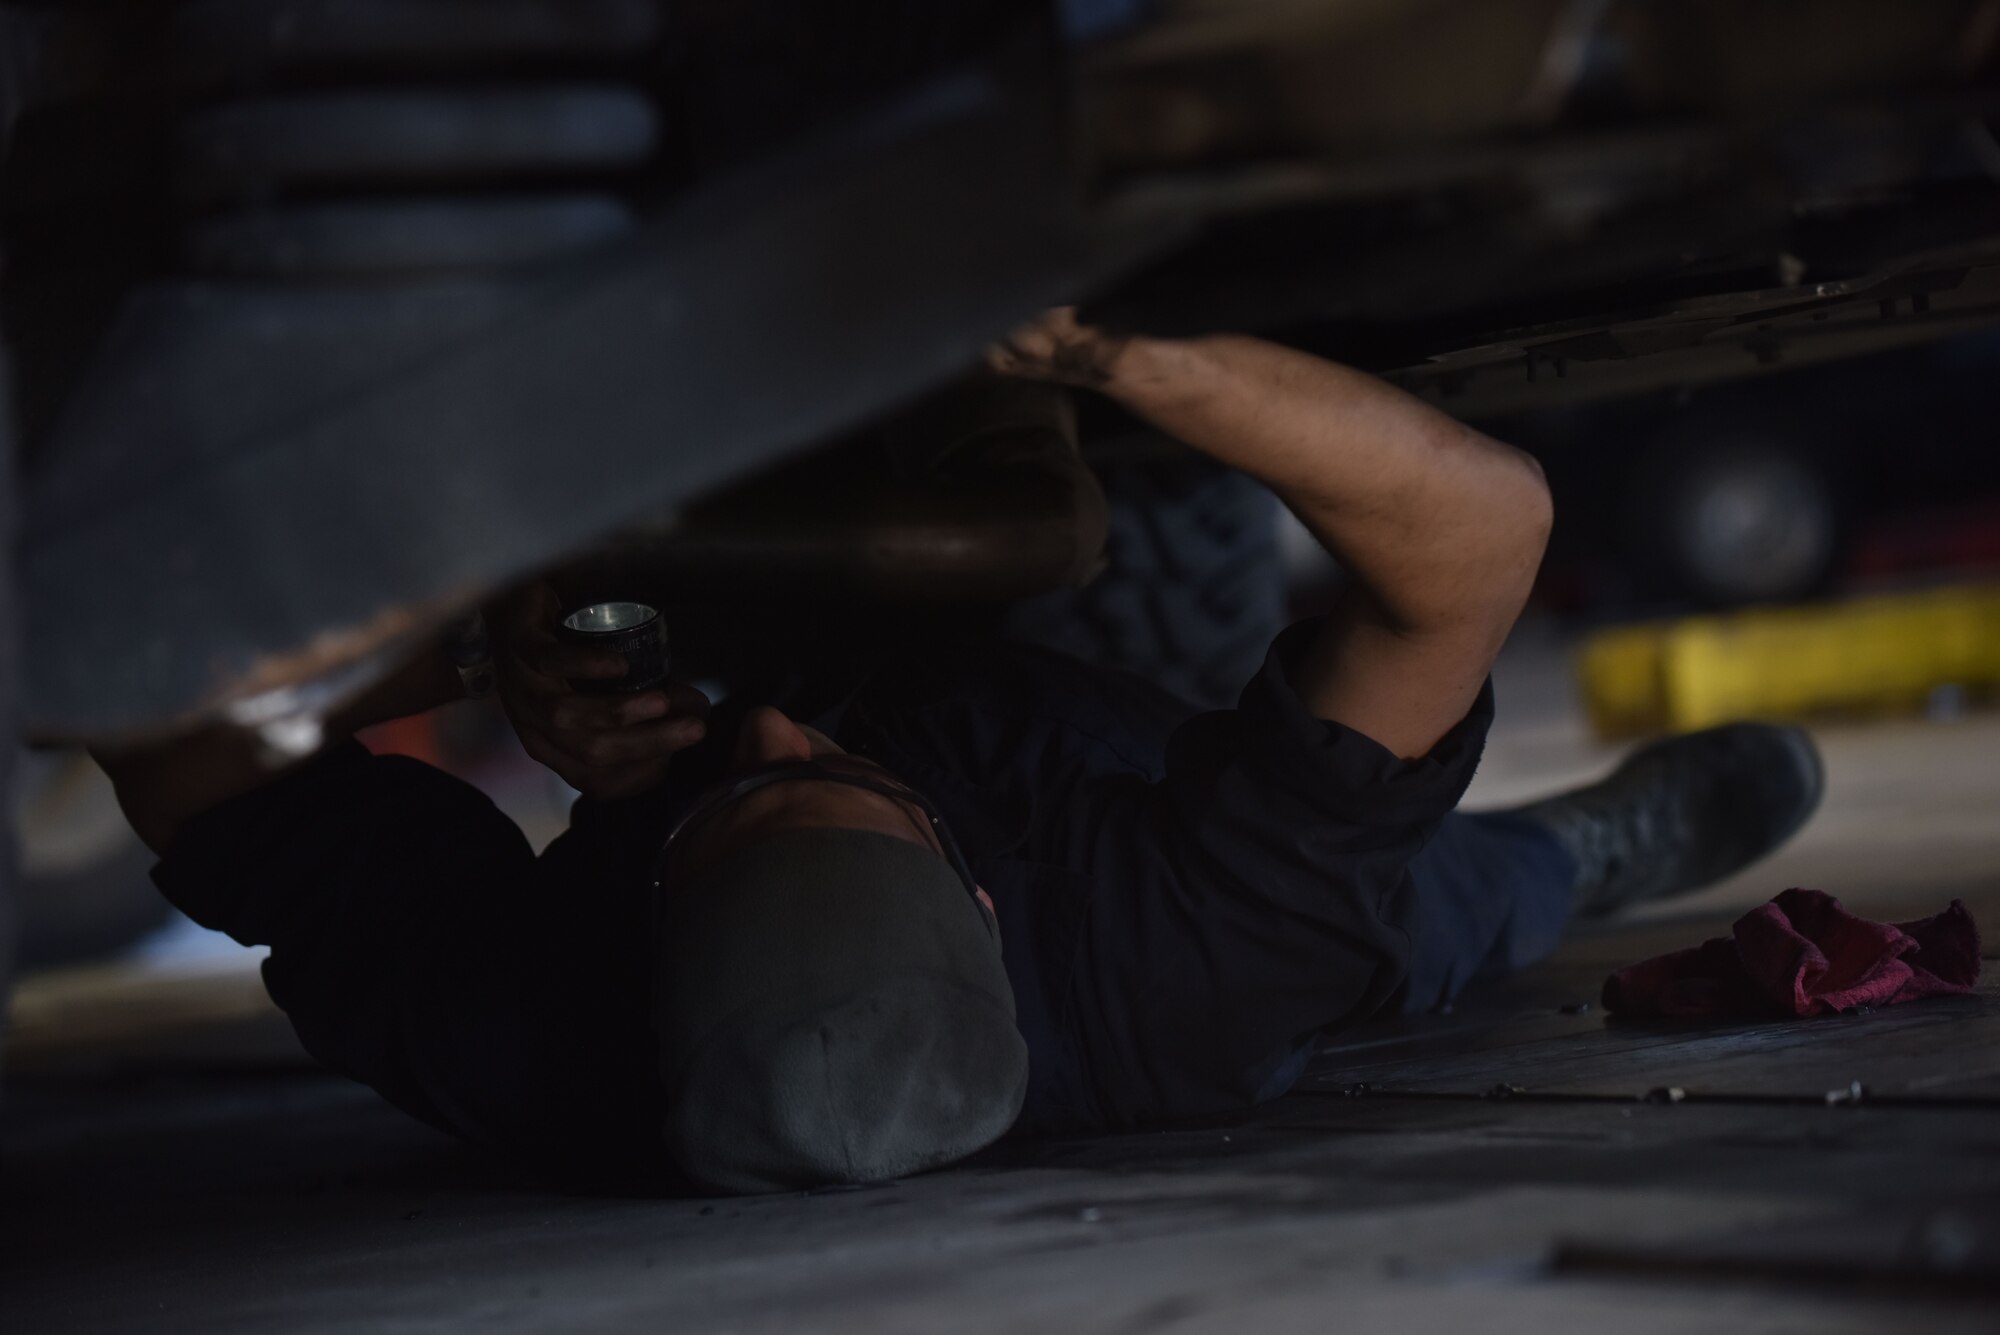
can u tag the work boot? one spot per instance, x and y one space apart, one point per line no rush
1683 813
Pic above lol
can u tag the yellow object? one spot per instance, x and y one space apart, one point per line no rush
1876 654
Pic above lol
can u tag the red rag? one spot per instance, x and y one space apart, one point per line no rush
1802 954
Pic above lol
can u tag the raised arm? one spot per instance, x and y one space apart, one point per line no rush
606 746
417 943
163 785
1441 528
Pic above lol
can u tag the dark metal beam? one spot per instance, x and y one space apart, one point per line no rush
248 494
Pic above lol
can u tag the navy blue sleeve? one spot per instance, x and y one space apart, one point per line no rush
1249 898
418 946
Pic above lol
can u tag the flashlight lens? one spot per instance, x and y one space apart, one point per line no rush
608 618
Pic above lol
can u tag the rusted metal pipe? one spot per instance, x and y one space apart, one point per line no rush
976 495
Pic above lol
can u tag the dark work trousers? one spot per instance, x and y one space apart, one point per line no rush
1493 895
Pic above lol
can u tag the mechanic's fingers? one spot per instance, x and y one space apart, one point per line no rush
1028 344
573 662
1055 325
1002 357
1055 347
643 742
524 690
595 780
1040 338
572 711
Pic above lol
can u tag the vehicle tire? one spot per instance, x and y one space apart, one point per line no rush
1736 519
1193 588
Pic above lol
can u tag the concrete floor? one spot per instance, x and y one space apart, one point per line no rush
172 1163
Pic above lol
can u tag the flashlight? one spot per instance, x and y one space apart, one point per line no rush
633 631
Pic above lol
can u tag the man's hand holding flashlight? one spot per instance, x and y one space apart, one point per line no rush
604 746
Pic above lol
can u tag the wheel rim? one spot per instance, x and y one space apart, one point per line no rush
1759 528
